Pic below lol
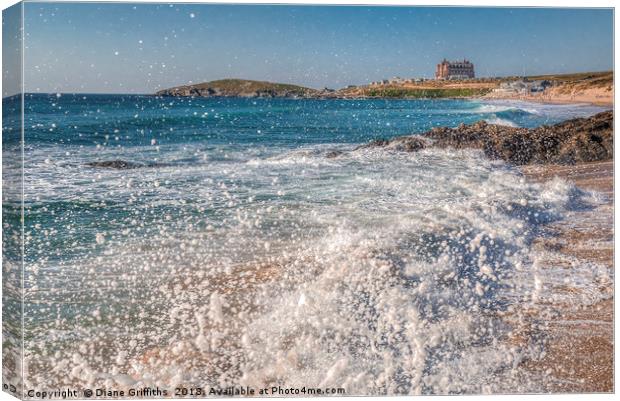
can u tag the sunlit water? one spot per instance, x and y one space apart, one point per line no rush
238 253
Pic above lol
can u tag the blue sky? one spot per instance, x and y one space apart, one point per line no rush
140 48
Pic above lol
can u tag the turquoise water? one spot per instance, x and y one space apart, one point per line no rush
90 120
63 133
237 252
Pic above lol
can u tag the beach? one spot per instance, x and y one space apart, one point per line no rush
596 96
303 242
592 88
580 338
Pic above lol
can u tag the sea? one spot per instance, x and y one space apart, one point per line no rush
253 242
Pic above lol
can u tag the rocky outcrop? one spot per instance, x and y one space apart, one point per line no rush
115 164
402 144
569 142
122 164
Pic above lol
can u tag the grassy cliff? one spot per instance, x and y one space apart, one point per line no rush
238 88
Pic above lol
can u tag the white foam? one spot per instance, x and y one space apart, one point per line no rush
385 274
501 121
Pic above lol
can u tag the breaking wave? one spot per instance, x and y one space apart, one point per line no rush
377 272
248 245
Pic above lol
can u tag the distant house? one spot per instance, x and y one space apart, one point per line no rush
523 86
540 86
455 70
397 80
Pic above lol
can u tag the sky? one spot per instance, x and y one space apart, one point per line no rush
141 48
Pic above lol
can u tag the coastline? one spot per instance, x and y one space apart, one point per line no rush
581 88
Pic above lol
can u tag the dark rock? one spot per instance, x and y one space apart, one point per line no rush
116 164
124 165
409 144
569 142
402 144
333 153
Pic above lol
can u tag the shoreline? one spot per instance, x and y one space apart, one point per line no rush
578 339
549 100
576 93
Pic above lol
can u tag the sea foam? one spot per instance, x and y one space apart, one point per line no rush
386 273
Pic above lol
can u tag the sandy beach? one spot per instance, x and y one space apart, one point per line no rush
596 96
591 88
579 338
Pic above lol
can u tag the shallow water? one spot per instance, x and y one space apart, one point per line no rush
241 255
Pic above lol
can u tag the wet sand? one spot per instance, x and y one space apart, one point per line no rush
578 339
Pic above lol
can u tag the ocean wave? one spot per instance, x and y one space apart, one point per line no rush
378 272
495 108
258 254
500 121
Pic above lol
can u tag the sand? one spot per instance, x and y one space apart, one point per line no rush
579 339
601 96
